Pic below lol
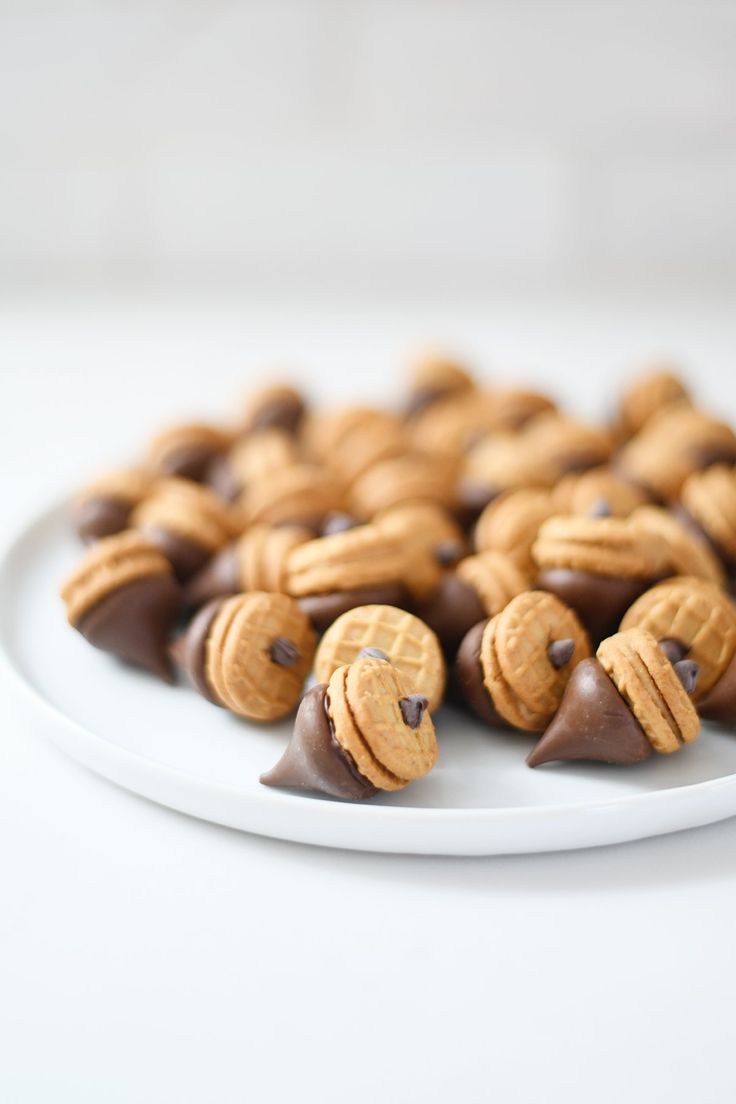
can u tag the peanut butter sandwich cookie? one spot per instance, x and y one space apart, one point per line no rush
409 478
363 731
598 492
599 566
623 705
690 618
187 450
685 552
511 522
564 445
708 506
434 541
249 653
187 521
255 561
385 632
512 670
675 443
302 494
434 377
103 507
251 459
123 598
647 396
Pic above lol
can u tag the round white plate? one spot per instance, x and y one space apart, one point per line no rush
175 748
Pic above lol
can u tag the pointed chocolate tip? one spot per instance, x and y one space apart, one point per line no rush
593 723
284 652
413 708
687 671
560 652
601 508
373 653
675 650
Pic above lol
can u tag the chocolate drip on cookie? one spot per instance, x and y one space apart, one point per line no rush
599 600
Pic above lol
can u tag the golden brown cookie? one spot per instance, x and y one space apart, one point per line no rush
409 478
129 485
685 555
361 557
263 553
300 494
510 524
451 426
494 577
376 436
646 397
647 681
514 408
673 444
599 491
187 449
696 614
407 642
388 736
435 376
258 652
109 565
500 462
258 455
327 432
601 546
710 499
524 682
434 542
561 444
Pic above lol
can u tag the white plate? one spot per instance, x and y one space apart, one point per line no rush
177 749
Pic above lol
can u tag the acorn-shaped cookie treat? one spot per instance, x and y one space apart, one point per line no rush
434 541
363 566
104 507
598 492
512 670
646 397
276 406
685 553
623 705
365 438
124 599
435 377
478 588
187 450
250 460
365 731
511 522
565 445
385 632
708 504
451 426
188 522
255 561
302 494
692 619
599 566
249 653
500 462
412 477
675 443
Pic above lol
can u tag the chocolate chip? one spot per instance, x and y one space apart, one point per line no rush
447 553
600 509
675 650
559 652
413 709
284 652
687 671
373 653
337 522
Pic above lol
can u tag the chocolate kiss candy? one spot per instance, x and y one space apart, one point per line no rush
451 611
599 600
323 609
218 578
134 622
314 760
719 704
102 516
186 557
188 652
468 678
593 722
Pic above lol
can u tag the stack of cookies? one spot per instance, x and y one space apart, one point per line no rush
574 579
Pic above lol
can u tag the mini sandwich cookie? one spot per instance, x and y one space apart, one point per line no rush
256 561
513 669
478 588
302 494
365 731
623 705
188 522
685 553
708 504
385 632
250 460
104 507
250 653
124 599
599 566
187 450
434 541
435 377
676 442
647 396
413 477
511 522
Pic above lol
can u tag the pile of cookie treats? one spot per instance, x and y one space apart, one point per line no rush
554 577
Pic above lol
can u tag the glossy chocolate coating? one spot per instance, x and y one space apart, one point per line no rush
189 462
134 622
600 601
451 611
323 609
220 576
469 678
314 760
719 704
101 516
188 652
593 722
186 557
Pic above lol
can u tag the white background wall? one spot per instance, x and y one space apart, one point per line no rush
323 141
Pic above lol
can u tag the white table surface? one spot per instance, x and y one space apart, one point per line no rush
145 956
